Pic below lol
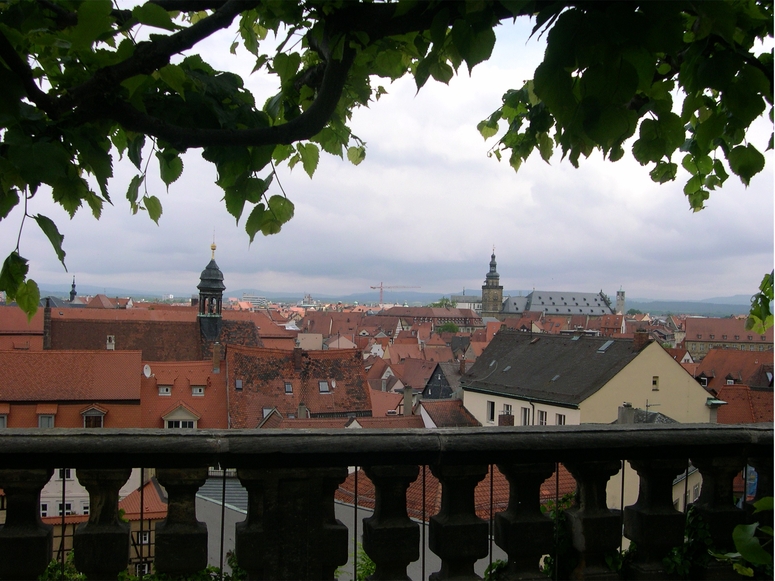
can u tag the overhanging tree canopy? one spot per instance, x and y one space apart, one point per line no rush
79 87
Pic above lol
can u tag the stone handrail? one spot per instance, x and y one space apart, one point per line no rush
291 476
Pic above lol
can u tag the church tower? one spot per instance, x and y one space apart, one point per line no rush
211 289
492 291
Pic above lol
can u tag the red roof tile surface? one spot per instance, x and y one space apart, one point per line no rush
449 413
746 367
264 373
70 375
744 405
384 401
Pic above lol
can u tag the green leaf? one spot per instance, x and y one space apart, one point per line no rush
136 143
13 273
170 166
749 547
664 172
356 154
153 205
94 20
545 146
765 503
28 297
133 191
8 200
310 155
745 161
51 231
255 221
282 208
153 15
175 77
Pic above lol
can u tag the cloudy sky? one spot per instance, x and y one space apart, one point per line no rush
425 209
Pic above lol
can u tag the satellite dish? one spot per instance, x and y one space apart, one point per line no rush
147 370
333 383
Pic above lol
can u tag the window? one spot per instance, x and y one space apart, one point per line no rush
542 418
144 538
491 412
93 419
180 424
655 383
323 386
730 381
45 421
696 492
288 387
3 421
165 390
197 390
84 507
704 381
525 416
68 508
507 409
142 568
559 419
64 473
43 509
238 385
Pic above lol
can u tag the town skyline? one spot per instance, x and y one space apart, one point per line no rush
425 208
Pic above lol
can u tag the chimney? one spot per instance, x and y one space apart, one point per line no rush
47 325
302 413
626 413
462 366
642 339
216 357
408 400
297 358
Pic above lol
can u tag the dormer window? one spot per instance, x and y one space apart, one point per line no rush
165 390
712 336
288 388
198 390
94 417
323 386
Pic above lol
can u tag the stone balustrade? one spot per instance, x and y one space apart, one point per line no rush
291 532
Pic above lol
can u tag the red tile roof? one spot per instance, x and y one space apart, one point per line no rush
449 413
389 422
264 373
154 502
383 401
744 405
747 367
70 375
701 329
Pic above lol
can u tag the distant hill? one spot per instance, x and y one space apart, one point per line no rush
701 308
713 307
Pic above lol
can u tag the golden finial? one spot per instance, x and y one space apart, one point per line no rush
212 246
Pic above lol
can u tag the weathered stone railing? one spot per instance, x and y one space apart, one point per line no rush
291 475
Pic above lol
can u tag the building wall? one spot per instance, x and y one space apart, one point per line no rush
678 396
476 403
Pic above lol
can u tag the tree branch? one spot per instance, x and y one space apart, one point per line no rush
22 70
152 55
305 126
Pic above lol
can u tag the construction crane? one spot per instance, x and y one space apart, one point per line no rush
381 287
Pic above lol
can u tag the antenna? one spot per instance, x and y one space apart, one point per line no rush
147 371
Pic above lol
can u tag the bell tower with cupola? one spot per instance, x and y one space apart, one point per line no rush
492 291
211 289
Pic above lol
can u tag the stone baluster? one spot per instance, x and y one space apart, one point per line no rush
291 531
653 523
763 466
101 544
595 530
456 534
716 504
522 530
25 542
181 540
390 538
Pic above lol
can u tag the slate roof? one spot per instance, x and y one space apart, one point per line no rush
551 368
70 375
264 372
449 413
